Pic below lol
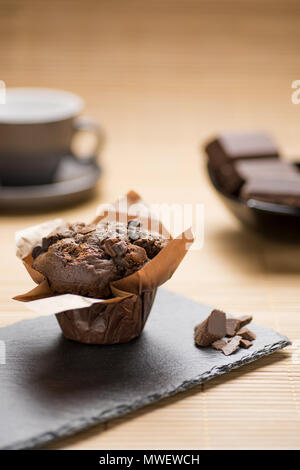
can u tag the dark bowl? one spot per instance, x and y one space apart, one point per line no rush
275 220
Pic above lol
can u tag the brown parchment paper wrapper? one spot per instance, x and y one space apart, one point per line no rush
103 321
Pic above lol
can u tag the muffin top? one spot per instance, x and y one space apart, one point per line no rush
85 259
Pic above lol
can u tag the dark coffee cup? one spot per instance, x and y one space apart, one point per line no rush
37 127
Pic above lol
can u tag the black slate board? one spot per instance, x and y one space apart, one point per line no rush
51 387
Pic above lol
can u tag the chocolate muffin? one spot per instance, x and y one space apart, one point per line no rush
85 259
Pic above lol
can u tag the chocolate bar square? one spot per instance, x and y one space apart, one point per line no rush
277 191
248 145
229 148
52 387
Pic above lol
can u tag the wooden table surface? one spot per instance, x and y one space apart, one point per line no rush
162 76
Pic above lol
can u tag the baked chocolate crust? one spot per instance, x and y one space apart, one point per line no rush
85 259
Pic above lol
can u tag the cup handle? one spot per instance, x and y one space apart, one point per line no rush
87 124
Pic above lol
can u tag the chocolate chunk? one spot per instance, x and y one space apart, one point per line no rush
134 227
276 191
47 242
248 145
87 229
224 171
134 224
229 148
232 326
83 384
131 260
219 344
244 343
246 334
244 320
114 247
232 345
211 329
37 250
265 168
85 259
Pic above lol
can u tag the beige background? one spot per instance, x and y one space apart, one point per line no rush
162 76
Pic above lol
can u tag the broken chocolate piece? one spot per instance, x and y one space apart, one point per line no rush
211 329
37 250
232 345
244 343
245 319
211 332
219 344
229 147
246 334
232 326
87 229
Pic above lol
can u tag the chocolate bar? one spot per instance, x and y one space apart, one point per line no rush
277 190
211 329
266 168
229 148
219 344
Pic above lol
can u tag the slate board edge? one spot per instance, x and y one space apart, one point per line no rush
76 426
